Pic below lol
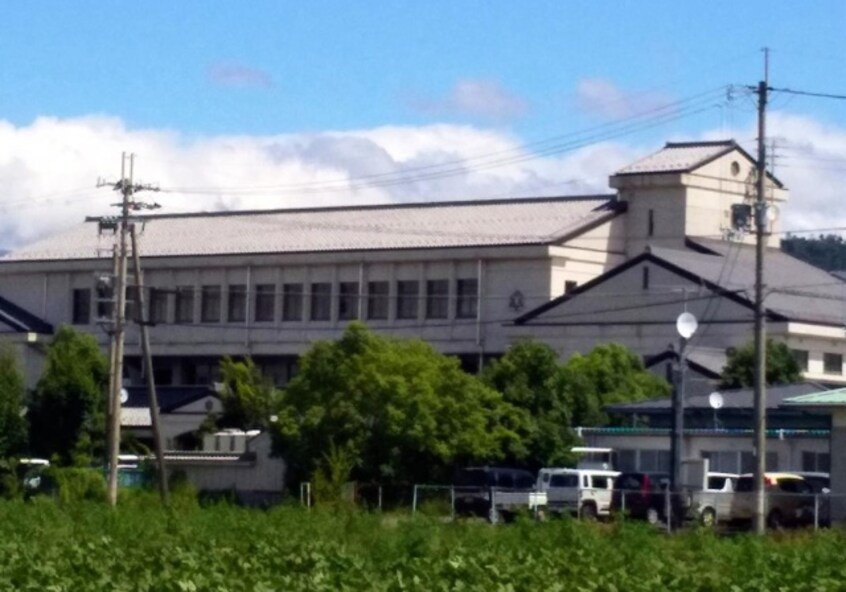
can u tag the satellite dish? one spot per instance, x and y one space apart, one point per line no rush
124 396
772 212
686 325
715 400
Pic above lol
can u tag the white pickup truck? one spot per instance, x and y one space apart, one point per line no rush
583 492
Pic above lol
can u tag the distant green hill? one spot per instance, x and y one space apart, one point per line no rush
826 251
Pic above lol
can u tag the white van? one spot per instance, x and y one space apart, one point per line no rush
583 492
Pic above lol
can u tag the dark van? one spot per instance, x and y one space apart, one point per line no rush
473 487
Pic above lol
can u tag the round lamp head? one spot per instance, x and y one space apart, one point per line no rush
686 325
715 400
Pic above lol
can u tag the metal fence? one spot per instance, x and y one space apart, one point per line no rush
666 510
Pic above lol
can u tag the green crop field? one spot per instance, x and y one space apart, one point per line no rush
48 547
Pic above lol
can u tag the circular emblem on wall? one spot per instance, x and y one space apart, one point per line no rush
516 301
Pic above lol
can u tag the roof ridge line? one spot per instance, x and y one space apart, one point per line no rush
387 206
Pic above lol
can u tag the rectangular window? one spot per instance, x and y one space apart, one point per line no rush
645 278
81 313
832 363
467 294
265 300
801 357
292 302
816 462
347 301
158 305
106 297
654 461
185 304
321 301
236 310
570 285
210 304
408 293
132 310
626 460
437 299
377 300
723 461
650 230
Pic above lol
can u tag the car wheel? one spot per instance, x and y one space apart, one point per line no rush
708 518
652 516
775 520
588 512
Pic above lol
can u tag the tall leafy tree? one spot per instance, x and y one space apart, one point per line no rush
403 411
609 374
528 378
67 410
13 428
782 367
248 397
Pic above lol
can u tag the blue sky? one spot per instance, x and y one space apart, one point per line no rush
176 81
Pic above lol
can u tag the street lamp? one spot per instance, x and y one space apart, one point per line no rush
686 325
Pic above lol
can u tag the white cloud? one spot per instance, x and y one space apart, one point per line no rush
476 98
603 98
48 169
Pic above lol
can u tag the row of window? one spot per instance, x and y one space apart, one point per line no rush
719 461
374 304
832 363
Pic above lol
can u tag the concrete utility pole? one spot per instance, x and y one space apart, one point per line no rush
760 327
116 382
127 188
148 370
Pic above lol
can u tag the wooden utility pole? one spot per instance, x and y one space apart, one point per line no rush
760 326
148 370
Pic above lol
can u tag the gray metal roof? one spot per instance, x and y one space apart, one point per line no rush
795 289
381 227
732 399
679 157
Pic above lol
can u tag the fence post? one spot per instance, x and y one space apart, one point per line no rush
452 502
816 511
623 502
414 501
668 510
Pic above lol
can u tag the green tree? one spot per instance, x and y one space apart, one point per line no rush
401 410
609 374
13 428
739 370
67 411
528 378
248 397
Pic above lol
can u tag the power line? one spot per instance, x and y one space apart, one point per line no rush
809 94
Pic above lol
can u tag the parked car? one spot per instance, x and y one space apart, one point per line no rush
583 492
713 503
495 492
641 495
789 500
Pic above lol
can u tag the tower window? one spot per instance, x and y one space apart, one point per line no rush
650 225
